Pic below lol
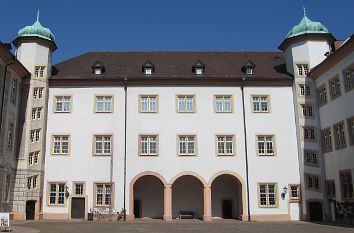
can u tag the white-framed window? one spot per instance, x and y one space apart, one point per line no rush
334 87
302 69
104 103
225 145
267 195
38 93
10 135
32 182
98 70
307 110
330 189
346 184
148 103
313 182
249 70
322 95
309 133
61 144
187 145
39 71
33 158
326 140
311 158
186 103
103 145
148 71
266 145
348 75
37 113
260 103
63 104
13 93
35 135
103 194
56 193
79 189
223 103
350 125
295 192
198 71
148 145
339 135
305 90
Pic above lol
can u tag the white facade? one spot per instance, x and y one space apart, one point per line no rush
82 123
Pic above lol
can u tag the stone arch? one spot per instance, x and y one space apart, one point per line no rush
239 179
188 173
134 180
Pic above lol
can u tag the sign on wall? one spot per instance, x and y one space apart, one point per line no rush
4 220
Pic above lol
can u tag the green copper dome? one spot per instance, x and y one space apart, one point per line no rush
307 26
36 30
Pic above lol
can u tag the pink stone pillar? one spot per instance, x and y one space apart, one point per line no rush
207 203
167 202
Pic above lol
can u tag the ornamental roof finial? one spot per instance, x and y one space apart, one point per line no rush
304 8
38 15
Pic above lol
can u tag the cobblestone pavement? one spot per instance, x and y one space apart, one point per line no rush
185 226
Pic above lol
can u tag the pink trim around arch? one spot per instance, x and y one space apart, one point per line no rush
131 191
188 173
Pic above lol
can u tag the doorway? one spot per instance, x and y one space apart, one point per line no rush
30 210
137 208
78 208
315 211
227 209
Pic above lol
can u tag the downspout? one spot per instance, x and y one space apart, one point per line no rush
3 93
246 151
125 146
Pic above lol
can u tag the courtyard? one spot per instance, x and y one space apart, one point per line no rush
185 226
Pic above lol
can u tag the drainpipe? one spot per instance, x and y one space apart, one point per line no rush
246 152
3 93
111 183
125 146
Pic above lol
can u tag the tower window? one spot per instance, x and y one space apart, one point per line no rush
249 70
198 71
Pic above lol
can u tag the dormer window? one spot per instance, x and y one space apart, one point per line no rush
248 68
199 71
148 68
98 68
198 68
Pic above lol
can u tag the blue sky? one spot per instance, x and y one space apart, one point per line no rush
102 25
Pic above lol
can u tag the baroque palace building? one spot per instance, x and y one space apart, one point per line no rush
242 135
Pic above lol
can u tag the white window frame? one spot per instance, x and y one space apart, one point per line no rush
188 103
226 103
260 103
151 103
106 194
39 71
61 144
107 103
100 148
267 194
184 141
59 193
222 143
313 182
268 146
35 135
147 141
61 103
339 135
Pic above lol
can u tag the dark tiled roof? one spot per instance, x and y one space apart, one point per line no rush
172 64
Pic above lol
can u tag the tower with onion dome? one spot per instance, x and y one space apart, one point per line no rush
34 47
305 46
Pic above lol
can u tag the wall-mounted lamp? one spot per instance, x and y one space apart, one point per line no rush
67 194
285 190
